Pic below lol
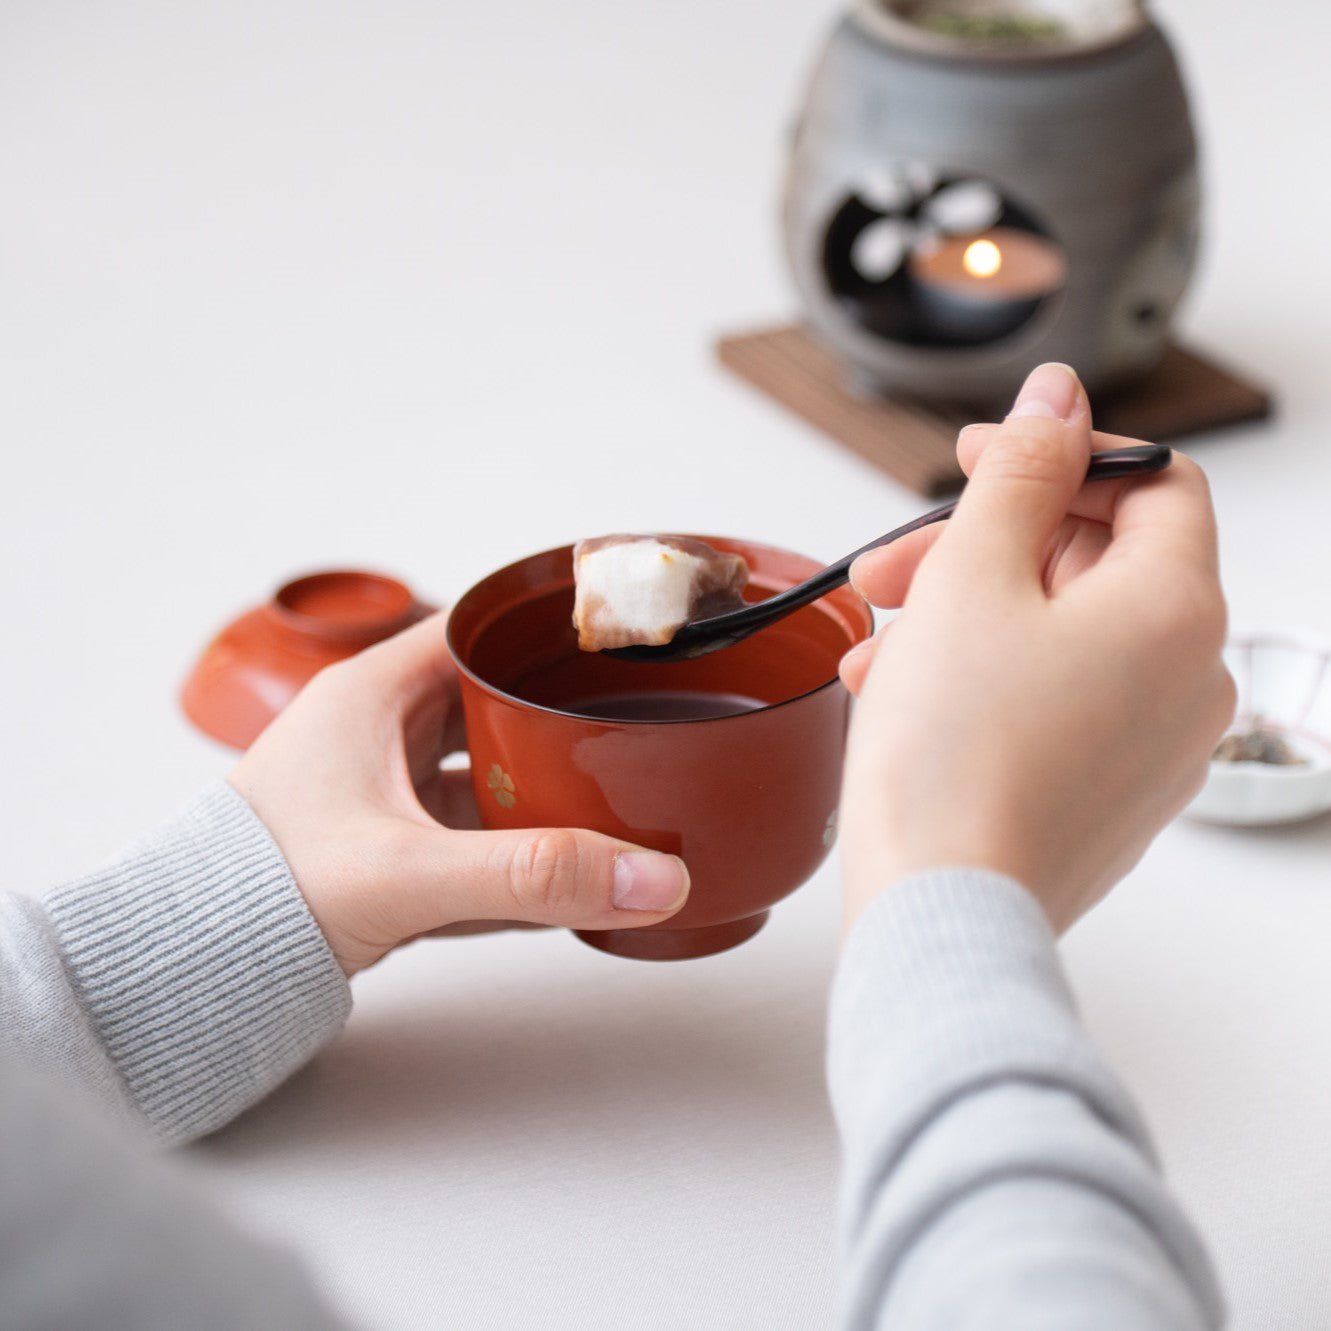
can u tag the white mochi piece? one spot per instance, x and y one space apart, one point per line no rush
634 590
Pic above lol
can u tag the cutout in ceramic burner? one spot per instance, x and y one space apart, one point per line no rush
935 261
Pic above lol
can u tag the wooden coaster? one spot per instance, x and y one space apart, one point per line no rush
914 443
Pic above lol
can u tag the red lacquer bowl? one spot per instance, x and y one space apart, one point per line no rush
260 661
749 800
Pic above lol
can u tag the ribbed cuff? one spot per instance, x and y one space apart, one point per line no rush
951 979
202 970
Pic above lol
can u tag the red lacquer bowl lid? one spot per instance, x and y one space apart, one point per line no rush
260 661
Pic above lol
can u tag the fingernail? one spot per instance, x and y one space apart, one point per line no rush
1051 390
859 649
966 429
647 880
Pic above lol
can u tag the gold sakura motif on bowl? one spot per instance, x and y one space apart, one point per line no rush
501 784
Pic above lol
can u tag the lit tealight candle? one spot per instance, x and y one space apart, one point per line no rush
982 258
977 288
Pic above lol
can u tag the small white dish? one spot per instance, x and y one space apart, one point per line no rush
1284 685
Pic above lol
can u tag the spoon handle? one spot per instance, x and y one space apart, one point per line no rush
1111 465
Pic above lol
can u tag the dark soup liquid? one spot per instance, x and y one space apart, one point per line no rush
530 651
662 705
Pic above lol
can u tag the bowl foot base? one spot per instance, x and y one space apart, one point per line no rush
673 944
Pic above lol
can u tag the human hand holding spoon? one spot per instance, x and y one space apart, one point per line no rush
701 636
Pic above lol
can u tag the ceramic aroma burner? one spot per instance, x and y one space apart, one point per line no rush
977 186
732 761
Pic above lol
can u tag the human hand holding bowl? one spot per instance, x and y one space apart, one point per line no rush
384 845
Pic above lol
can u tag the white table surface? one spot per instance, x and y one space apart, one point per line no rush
424 287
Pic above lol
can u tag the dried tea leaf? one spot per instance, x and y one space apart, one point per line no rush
1259 745
994 27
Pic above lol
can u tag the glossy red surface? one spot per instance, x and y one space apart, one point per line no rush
261 660
748 800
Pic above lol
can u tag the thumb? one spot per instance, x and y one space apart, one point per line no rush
1025 479
558 876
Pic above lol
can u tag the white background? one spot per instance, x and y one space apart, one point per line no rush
423 287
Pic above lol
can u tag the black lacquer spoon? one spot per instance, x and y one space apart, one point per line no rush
710 635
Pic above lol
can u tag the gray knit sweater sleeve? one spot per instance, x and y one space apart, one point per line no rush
996 1175
97 1234
181 983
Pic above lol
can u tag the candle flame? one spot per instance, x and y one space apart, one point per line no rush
982 258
